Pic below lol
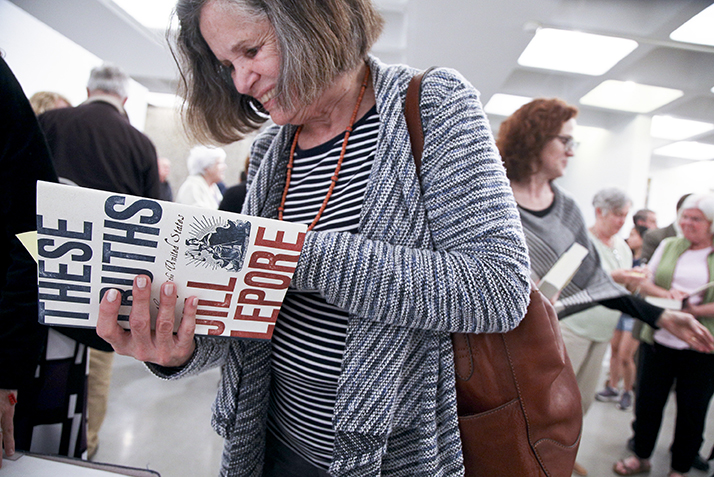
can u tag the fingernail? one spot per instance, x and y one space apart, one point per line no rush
194 301
141 282
112 295
169 289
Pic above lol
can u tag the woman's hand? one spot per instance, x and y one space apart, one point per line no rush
677 294
158 346
631 279
685 327
8 398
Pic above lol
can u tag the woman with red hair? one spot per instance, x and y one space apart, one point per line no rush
536 143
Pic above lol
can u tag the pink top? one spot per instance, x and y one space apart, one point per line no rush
690 273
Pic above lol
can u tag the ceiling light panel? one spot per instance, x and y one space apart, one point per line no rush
676 129
698 29
697 151
575 52
505 104
629 96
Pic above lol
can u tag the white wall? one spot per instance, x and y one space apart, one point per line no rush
668 186
617 157
44 60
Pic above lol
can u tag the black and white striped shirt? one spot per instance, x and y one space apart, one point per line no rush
309 336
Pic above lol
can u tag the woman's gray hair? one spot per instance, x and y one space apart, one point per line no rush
108 78
611 199
317 40
703 202
202 157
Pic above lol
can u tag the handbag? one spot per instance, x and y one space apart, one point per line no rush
517 396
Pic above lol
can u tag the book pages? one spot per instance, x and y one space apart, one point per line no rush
562 271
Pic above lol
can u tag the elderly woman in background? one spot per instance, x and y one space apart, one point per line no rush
535 144
679 267
359 376
206 167
587 333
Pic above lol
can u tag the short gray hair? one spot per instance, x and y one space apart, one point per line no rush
202 157
703 202
611 199
108 78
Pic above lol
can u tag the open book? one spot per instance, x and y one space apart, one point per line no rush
90 241
562 271
673 304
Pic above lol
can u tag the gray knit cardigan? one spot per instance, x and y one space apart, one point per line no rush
447 256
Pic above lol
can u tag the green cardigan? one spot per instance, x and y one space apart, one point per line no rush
674 247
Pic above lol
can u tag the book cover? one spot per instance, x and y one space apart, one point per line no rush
89 241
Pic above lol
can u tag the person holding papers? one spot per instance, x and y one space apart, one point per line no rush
681 268
359 376
536 143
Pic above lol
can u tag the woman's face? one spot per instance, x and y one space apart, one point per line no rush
612 222
554 156
696 227
250 49
215 172
634 240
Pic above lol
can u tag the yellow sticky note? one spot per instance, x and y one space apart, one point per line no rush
29 240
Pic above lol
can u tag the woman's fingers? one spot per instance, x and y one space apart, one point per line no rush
685 327
158 345
107 326
187 327
140 319
171 350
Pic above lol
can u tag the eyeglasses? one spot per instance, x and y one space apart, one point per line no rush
568 142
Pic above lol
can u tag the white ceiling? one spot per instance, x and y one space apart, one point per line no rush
481 38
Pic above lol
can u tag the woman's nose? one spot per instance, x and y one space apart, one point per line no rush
243 79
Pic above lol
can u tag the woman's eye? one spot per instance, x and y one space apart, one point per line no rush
251 52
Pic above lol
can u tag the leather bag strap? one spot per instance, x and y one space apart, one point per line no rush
412 112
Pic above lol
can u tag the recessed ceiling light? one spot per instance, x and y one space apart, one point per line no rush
629 96
574 51
155 14
667 127
505 104
698 151
697 29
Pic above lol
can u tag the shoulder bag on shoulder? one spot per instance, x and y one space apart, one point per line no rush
517 397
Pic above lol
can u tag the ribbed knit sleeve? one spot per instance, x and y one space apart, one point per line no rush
451 254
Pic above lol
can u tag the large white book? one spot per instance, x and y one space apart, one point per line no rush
90 241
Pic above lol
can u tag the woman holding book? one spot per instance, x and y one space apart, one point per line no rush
359 376
536 143
680 267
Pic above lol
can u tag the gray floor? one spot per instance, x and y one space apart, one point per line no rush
165 426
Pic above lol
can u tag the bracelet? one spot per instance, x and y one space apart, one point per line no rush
13 400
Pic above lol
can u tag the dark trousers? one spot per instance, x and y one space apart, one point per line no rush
693 376
281 461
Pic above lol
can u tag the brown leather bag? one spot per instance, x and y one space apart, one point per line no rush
517 397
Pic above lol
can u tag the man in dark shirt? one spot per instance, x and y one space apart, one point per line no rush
95 146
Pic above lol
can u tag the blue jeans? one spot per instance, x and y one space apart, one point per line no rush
281 461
